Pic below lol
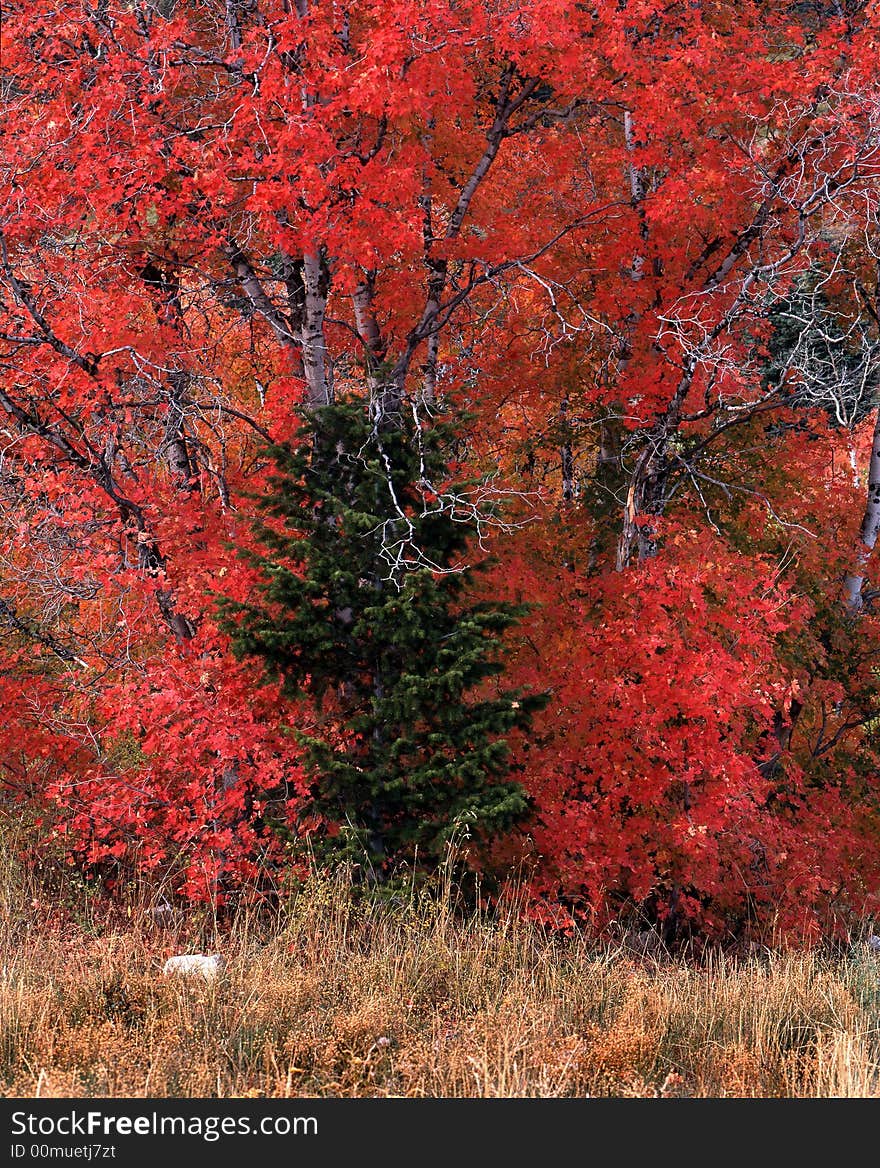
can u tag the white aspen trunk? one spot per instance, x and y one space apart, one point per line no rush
853 462
636 190
386 390
854 581
368 328
366 322
316 361
262 304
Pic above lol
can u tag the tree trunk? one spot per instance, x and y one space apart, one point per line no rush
317 368
180 462
565 452
854 581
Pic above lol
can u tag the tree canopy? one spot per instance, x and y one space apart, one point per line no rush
614 269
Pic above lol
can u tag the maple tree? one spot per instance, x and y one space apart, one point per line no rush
636 244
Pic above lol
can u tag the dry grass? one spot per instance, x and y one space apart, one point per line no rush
336 998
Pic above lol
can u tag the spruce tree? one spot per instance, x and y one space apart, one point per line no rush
363 605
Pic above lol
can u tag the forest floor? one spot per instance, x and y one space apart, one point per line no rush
335 997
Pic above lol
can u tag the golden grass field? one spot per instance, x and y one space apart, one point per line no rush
333 997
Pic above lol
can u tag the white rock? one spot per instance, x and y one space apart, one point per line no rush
874 943
207 966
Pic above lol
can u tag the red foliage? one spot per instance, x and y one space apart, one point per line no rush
569 219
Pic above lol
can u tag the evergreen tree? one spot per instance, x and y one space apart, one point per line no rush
364 608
